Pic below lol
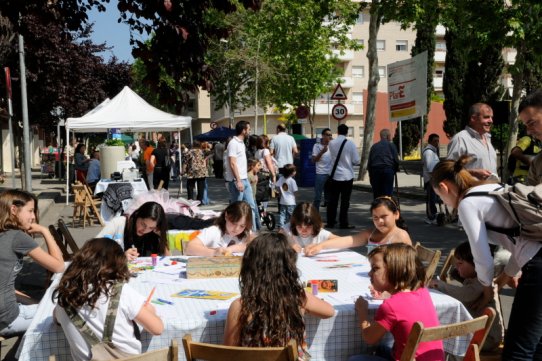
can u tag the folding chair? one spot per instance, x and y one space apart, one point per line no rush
211 352
84 206
70 244
429 259
479 327
448 263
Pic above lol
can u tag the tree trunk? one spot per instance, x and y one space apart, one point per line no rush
372 87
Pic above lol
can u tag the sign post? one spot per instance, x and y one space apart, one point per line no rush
339 111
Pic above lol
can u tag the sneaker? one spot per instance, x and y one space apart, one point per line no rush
430 221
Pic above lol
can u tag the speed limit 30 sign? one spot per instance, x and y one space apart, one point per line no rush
339 111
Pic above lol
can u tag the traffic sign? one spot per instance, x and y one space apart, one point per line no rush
339 112
302 112
339 93
213 125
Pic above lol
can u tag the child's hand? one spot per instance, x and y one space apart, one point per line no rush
504 279
312 249
297 248
221 251
362 308
131 254
36 228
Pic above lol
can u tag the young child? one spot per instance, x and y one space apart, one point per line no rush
286 186
396 269
143 232
305 227
97 272
389 227
231 233
273 299
470 292
18 222
254 166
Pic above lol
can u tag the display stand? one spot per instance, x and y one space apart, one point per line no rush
49 156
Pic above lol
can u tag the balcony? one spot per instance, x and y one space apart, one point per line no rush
437 83
347 82
440 56
440 30
347 55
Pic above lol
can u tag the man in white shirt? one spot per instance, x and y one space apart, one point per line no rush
236 170
430 158
322 159
283 147
342 179
475 141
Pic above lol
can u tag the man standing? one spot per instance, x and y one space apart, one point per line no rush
283 147
236 170
383 164
530 113
145 160
343 177
93 174
430 158
322 159
218 158
475 141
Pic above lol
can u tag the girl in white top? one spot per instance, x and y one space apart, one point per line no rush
305 227
87 286
389 227
231 233
286 186
453 183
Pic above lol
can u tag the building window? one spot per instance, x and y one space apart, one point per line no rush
439 73
360 42
440 46
350 132
361 132
357 98
382 71
381 45
358 71
359 20
401 45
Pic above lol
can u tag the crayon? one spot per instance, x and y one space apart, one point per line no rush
165 301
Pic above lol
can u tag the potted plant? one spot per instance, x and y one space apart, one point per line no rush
111 152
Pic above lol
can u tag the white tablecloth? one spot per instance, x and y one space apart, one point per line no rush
139 187
336 338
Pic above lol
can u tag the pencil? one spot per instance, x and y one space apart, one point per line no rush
150 295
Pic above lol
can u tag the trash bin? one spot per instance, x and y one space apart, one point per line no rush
306 170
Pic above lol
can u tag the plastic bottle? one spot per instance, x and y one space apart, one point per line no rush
314 287
154 258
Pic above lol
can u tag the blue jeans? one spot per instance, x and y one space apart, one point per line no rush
285 214
382 181
206 199
430 201
247 196
319 183
523 337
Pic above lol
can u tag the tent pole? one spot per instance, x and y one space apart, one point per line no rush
67 155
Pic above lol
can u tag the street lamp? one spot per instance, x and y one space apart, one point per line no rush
224 41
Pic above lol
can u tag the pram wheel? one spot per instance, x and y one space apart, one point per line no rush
269 220
441 219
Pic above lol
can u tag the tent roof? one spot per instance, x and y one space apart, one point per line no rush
129 112
217 134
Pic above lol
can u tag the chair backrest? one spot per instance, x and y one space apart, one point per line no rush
80 194
170 353
479 327
429 259
211 352
71 245
60 242
448 263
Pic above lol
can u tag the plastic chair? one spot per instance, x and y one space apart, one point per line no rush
429 259
211 352
479 327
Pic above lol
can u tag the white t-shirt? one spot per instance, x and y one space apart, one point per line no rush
287 198
130 304
322 236
348 159
323 166
114 229
236 148
283 144
212 237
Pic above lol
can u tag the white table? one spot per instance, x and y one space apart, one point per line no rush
335 338
138 187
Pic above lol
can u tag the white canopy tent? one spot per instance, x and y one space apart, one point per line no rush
128 112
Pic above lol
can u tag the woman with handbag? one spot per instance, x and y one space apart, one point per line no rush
268 173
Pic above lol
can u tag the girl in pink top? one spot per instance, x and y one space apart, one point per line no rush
396 269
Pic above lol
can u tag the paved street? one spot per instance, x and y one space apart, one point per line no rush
53 206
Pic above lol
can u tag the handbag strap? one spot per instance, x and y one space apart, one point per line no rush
337 160
109 323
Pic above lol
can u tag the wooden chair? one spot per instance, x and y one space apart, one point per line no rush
448 263
429 259
211 352
479 327
60 242
84 206
69 243
170 353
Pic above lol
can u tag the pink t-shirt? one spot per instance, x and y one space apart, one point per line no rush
397 315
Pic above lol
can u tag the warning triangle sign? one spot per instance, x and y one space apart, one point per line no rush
338 93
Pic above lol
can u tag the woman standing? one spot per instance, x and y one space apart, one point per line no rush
162 164
268 172
195 169
81 163
322 159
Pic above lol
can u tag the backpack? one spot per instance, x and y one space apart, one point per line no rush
104 349
524 205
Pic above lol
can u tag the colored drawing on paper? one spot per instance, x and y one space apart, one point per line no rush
205 294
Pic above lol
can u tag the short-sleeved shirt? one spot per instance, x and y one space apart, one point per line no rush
147 157
322 236
323 165
282 144
93 174
530 147
287 197
146 244
469 142
430 159
212 237
236 148
15 245
398 314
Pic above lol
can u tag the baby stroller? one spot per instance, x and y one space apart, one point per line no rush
266 218
263 191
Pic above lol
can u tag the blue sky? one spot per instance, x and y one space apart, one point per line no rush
114 34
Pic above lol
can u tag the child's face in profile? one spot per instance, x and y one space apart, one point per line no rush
384 219
304 230
378 273
26 214
465 269
235 228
